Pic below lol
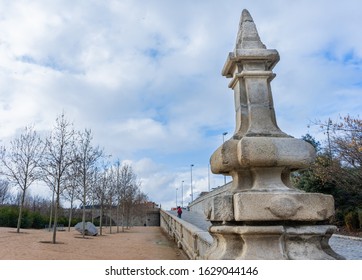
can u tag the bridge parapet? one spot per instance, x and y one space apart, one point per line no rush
202 203
195 242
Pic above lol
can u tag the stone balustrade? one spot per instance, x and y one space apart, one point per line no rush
193 241
201 203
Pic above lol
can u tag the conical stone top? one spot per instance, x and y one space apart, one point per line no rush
249 47
248 37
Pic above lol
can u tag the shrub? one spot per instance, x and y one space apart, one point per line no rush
75 221
351 221
39 221
9 216
338 218
26 219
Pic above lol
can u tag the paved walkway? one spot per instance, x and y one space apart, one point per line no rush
350 248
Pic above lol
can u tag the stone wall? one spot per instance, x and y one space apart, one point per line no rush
153 217
192 240
201 203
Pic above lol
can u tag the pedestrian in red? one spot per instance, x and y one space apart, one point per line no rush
179 212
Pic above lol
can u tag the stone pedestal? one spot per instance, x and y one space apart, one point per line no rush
263 216
271 242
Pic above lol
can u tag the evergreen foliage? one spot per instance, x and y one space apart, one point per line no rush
9 218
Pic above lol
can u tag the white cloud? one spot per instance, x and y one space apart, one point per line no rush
145 75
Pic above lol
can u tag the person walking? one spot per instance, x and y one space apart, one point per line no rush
179 212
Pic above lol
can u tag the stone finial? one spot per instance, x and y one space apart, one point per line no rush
257 142
259 157
248 37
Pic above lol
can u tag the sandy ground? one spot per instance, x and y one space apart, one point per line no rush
137 243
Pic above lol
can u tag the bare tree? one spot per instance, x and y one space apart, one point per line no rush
118 190
58 158
94 185
4 191
37 203
130 201
111 193
70 190
140 206
127 181
343 166
21 163
100 191
87 158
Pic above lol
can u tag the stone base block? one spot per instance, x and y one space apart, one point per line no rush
274 152
271 243
275 206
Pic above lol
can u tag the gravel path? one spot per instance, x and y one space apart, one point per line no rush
137 243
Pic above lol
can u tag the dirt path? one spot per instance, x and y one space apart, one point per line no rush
137 243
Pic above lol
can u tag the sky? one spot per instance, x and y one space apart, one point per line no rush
145 76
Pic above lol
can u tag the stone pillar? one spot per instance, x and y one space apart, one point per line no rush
263 216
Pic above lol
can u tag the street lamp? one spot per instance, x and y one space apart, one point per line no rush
223 135
208 176
223 141
182 194
176 197
192 193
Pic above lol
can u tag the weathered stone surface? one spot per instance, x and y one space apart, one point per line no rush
263 206
309 242
259 157
274 152
271 243
220 209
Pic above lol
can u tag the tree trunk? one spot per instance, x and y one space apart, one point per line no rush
83 220
70 215
92 210
123 217
117 217
21 206
100 220
20 212
110 216
84 200
51 212
56 206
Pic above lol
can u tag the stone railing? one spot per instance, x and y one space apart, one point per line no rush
192 240
201 203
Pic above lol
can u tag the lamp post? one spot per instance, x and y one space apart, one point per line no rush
182 194
192 193
208 176
176 197
223 141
